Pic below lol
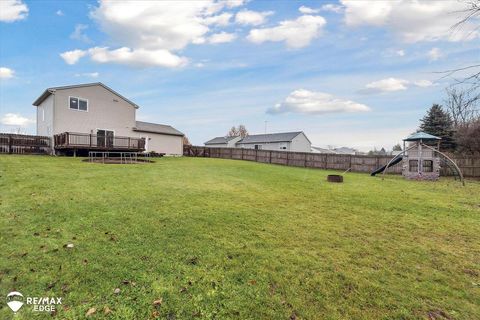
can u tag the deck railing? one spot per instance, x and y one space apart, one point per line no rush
24 144
73 140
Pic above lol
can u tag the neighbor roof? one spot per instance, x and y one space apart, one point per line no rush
51 90
421 136
156 128
272 137
219 140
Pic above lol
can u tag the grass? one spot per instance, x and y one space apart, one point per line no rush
226 239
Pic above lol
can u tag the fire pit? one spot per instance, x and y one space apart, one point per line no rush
335 178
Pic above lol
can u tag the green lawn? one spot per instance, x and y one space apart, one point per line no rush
226 239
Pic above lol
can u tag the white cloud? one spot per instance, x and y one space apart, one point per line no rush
59 13
137 57
400 53
254 18
309 102
220 20
72 57
423 83
88 74
412 21
296 33
78 34
6 73
12 10
394 84
149 33
434 54
308 10
332 8
222 37
12 119
386 85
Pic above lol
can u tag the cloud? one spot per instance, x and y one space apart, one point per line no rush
434 54
78 34
332 8
296 33
12 119
137 57
423 83
412 21
6 73
393 84
253 18
308 10
88 74
12 10
400 53
386 85
309 102
220 20
72 57
222 37
149 33
59 13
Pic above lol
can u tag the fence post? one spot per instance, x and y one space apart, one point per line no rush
270 157
305 162
287 158
10 144
242 153
256 155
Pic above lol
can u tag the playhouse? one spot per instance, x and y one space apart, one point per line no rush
422 159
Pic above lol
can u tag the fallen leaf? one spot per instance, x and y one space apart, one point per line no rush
107 310
90 312
116 291
158 302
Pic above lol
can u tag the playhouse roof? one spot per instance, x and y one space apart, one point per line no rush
421 136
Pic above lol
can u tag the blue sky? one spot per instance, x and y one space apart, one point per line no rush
348 73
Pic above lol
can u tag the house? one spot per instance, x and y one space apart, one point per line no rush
287 141
223 142
345 150
92 116
322 150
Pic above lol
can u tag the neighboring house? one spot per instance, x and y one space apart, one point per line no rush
287 141
94 117
223 142
322 150
345 150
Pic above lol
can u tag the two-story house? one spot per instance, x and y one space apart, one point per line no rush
92 116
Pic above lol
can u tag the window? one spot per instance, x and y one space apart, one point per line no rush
413 165
427 166
283 148
258 147
78 104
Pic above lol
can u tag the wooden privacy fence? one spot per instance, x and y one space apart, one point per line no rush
24 144
357 163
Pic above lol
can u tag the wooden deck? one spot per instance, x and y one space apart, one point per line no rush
83 141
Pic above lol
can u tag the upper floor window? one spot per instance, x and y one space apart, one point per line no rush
78 104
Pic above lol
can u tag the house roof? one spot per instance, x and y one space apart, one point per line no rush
271 137
421 136
345 150
323 150
156 128
51 90
219 140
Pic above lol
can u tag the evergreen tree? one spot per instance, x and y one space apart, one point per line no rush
397 147
437 122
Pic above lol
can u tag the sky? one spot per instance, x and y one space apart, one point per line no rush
348 73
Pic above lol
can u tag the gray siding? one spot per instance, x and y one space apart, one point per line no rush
161 143
105 111
300 144
45 117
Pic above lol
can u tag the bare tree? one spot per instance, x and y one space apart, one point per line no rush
233 132
186 142
467 138
462 105
471 15
241 131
